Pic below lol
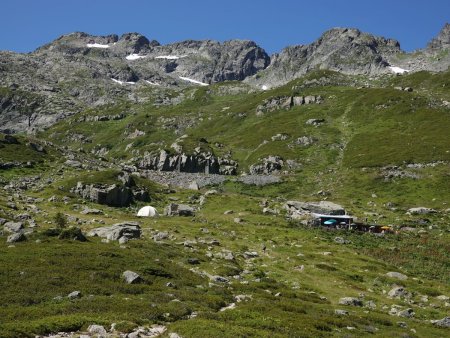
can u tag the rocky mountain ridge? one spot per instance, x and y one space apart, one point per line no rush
79 70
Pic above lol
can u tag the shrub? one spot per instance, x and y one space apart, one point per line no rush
60 220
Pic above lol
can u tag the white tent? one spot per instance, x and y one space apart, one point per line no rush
147 211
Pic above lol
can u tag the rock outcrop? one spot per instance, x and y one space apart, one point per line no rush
115 195
193 163
286 102
114 232
269 165
322 207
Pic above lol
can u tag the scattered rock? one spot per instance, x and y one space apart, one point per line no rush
341 240
269 165
159 236
350 301
74 295
315 122
408 313
174 209
91 211
341 312
397 292
397 275
421 211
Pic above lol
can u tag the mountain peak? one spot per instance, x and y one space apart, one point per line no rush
442 40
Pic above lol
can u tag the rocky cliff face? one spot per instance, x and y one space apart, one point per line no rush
79 70
442 40
345 50
189 163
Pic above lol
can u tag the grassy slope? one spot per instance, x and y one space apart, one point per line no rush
375 127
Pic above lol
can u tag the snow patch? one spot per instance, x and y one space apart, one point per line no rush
122 82
398 70
153 83
96 45
170 57
264 87
193 81
135 57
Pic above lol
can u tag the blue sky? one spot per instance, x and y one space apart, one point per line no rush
273 24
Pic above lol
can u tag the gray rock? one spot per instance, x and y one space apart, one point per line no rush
174 209
350 301
397 275
13 226
123 240
99 330
114 232
74 295
189 163
444 322
111 195
341 312
408 313
322 207
397 292
341 240
91 211
315 122
131 277
269 165
161 235
16 237
219 279
420 211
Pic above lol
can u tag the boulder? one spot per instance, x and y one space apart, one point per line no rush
74 295
315 122
174 209
159 236
421 211
91 211
341 240
16 237
13 226
444 322
350 301
269 165
341 312
408 313
131 277
111 195
397 292
397 275
98 330
322 207
116 231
